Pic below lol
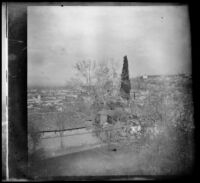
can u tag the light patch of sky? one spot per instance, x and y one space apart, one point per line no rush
156 40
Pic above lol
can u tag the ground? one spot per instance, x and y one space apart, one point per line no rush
99 161
127 159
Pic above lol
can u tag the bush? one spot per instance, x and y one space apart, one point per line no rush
172 151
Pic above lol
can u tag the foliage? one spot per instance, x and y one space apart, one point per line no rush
165 113
169 109
125 81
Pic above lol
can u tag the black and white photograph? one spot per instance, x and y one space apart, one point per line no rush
109 91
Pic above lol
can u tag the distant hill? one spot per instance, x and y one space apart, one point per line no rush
143 83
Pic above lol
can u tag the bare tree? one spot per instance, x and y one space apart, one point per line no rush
102 79
85 69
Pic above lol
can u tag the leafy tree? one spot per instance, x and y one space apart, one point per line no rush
125 81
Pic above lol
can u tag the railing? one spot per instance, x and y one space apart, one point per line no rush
125 129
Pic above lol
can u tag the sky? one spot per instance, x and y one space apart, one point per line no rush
156 40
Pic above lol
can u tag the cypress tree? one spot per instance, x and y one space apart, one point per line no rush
125 81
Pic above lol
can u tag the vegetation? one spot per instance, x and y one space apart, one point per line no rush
162 106
125 81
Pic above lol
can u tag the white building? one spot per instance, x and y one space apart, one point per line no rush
144 77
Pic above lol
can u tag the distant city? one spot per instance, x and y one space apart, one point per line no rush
49 99
46 100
